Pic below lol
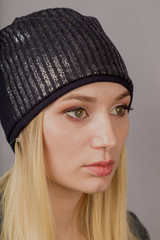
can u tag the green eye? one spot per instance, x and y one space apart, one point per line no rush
77 113
119 110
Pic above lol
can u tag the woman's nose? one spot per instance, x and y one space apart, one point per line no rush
104 135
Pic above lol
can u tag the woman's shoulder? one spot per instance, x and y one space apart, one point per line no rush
136 227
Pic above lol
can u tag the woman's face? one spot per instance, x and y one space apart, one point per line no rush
84 133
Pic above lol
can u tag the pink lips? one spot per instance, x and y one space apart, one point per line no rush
101 168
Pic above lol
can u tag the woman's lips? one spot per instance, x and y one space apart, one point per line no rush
101 168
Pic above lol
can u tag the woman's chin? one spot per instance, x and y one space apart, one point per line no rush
97 188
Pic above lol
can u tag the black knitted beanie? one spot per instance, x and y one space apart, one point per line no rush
47 54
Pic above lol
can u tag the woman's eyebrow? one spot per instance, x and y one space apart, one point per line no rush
123 95
81 98
84 98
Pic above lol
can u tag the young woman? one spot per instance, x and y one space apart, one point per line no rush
65 96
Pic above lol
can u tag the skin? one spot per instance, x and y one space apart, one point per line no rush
74 139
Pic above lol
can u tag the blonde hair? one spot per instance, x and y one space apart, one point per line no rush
26 205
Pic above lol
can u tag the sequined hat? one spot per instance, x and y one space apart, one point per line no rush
46 54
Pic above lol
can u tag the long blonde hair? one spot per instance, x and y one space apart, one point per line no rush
26 205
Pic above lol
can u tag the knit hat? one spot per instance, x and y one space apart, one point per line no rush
46 54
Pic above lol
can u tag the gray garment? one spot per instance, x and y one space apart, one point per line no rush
0 215
137 228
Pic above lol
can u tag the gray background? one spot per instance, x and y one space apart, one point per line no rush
134 28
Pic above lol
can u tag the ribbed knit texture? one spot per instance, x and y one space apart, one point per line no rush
46 54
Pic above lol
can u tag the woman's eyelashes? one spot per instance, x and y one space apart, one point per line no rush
82 113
